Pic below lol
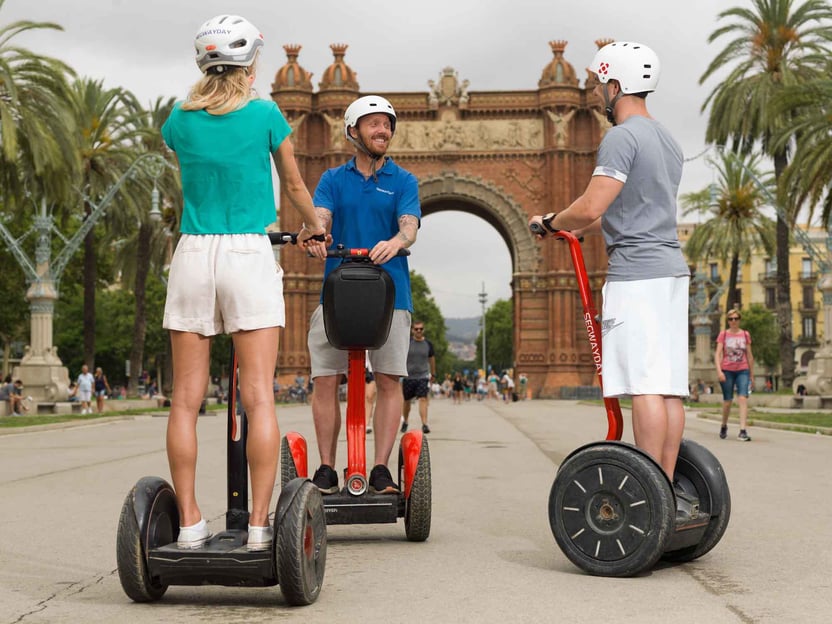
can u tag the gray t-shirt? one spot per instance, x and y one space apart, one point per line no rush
640 225
418 358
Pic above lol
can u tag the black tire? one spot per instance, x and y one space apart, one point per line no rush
699 472
611 509
288 470
300 530
417 506
160 520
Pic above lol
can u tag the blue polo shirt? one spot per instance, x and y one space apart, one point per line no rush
367 210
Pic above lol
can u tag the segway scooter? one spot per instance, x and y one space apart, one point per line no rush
358 299
612 509
149 560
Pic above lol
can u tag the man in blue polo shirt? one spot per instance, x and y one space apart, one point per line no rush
369 202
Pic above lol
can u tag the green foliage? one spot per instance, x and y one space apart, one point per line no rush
113 330
499 336
761 324
426 310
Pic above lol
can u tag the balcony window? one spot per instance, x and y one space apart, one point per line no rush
809 328
808 297
771 298
806 268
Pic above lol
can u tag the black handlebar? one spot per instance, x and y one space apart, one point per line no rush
282 238
537 229
353 253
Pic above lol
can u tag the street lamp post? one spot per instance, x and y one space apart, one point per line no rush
483 298
41 369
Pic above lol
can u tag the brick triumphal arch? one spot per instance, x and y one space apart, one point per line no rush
501 155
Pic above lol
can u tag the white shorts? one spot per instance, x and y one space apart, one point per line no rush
644 347
391 359
85 396
224 283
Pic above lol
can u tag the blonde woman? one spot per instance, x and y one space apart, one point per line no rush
223 276
734 368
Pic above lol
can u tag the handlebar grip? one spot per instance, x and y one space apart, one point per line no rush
282 238
537 229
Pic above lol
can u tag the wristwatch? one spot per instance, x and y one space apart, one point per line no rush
547 221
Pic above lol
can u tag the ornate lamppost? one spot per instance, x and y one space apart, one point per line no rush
41 370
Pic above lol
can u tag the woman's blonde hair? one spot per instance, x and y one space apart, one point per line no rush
220 93
733 311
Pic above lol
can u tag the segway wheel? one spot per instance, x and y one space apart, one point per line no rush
300 536
288 470
698 472
154 502
611 509
417 506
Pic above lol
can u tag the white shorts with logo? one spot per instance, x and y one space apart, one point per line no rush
644 328
391 359
224 283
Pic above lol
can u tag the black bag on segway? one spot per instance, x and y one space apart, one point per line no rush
358 301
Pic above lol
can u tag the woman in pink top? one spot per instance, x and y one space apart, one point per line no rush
734 367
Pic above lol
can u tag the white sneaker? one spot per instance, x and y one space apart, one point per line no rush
259 538
194 536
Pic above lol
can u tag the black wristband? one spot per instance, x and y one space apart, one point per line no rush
547 221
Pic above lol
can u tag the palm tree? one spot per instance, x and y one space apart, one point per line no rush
36 152
148 247
104 121
736 226
807 178
776 44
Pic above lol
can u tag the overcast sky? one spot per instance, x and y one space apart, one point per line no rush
146 46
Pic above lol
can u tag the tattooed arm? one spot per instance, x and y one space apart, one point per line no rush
404 238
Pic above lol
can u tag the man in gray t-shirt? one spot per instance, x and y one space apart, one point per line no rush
632 197
421 369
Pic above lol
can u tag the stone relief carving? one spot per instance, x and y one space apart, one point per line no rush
448 91
337 140
603 123
294 124
560 121
483 135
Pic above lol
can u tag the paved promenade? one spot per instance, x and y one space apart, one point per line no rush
490 558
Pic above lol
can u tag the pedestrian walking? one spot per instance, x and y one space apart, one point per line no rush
421 370
735 370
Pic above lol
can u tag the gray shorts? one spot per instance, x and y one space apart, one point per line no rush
391 359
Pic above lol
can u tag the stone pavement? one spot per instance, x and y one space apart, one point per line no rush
491 556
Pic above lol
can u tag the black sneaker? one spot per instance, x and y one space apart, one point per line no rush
743 436
425 429
381 481
404 426
326 479
723 431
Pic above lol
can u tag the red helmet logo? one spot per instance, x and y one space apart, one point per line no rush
604 69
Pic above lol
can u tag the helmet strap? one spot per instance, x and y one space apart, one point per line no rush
359 144
609 105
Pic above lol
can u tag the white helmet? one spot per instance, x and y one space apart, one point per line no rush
635 66
226 40
366 106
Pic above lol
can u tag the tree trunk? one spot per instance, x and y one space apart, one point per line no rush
730 300
140 319
90 279
784 298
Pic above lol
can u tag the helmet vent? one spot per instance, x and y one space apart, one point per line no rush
240 43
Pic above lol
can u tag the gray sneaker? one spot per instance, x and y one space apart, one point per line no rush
743 436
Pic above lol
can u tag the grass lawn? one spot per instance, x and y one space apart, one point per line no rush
48 419
797 420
